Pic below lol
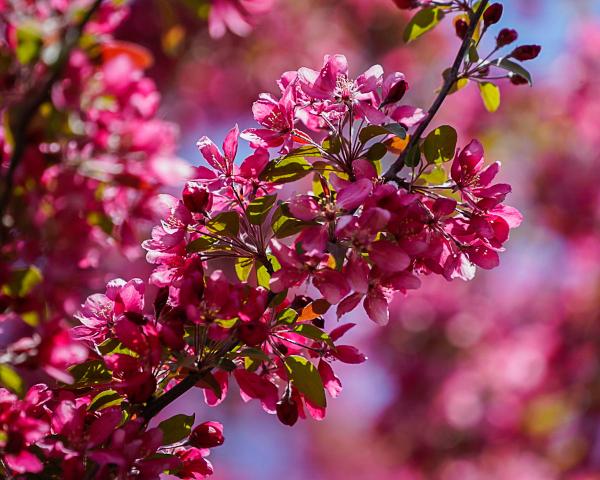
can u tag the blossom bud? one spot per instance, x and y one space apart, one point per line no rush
526 52
492 14
207 435
518 80
461 28
196 197
287 411
253 333
506 37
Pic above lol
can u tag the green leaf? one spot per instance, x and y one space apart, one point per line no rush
473 54
413 157
376 152
263 276
89 373
306 378
490 94
437 176
176 428
332 144
305 151
284 225
422 22
23 281
289 169
255 353
102 221
226 223
396 129
372 131
243 267
309 330
105 399
440 144
259 208
29 44
11 379
287 316
200 244
513 68
112 345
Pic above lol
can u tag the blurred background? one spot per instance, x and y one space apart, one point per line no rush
495 379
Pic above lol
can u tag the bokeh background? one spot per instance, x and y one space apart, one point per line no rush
495 379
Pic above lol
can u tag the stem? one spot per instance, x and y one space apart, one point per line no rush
444 92
155 405
35 98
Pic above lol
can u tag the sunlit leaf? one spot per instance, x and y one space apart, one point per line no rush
176 428
11 379
259 208
424 21
440 144
490 94
306 378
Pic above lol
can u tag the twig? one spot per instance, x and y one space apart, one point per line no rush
444 92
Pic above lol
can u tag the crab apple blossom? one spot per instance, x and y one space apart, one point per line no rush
344 199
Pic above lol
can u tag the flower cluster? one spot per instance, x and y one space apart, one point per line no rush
245 268
68 430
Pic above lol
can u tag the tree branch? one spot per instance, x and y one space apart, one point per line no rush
155 405
33 100
444 92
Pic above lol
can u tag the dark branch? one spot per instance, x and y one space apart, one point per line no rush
157 404
450 80
33 100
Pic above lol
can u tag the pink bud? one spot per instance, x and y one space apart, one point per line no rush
207 435
492 14
506 37
526 52
196 197
287 411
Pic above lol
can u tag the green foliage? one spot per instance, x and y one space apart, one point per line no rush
176 428
490 94
259 208
309 330
513 68
23 281
105 399
29 44
11 379
440 144
90 373
424 21
226 223
306 378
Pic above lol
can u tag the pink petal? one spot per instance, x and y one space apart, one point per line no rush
222 378
332 285
388 256
377 309
211 154
354 195
348 304
230 144
331 383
